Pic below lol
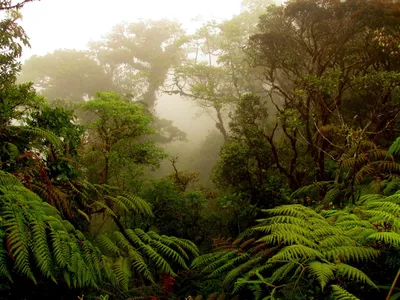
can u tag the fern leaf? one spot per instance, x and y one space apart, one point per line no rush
122 272
43 133
332 195
323 272
3 258
388 238
394 149
229 265
41 250
292 225
205 259
167 251
282 272
296 252
104 242
288 238
140 265
239 270
341 294
136 204
186 244
336 241
158 260
354 274
17 240
353 253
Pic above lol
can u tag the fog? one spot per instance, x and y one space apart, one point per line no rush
58 24
72 24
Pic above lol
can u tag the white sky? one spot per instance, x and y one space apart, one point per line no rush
55 24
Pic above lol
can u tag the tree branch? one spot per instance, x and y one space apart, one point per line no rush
8 6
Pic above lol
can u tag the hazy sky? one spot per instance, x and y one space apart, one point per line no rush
54 24
58 24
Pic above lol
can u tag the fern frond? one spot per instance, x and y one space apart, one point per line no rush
158 260
353 253
220 261
229 265
106 243
136 204
239 270
341 294
291 224
42 133
388 167
276 220
294 210
332 195
108 210
394 149
288 238
380 217
12 150
59 249
387 206
388 238
167 251
122 271
186 244
140 265
322 271
4 272
143 235
168 241
282 272
346 224
205 259
323 231
336 241
296 252
41 249
312 189
17 239
354 274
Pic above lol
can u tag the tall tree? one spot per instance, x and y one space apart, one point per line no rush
139 55
217 72
66 74
317 58
119 137
132 60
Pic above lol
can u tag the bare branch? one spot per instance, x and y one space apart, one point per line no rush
7 5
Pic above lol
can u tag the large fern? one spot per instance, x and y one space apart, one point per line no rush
298 246
37 243
145 254
363 168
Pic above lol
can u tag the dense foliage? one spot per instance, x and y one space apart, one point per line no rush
304 201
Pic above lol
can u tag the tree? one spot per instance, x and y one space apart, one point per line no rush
139 55
314 56
247 161
216 73
66 74
119 135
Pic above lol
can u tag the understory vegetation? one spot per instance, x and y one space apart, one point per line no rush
294 195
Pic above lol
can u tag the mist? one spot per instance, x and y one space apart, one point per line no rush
62 24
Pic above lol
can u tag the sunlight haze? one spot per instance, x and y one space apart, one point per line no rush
71 24
55 24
